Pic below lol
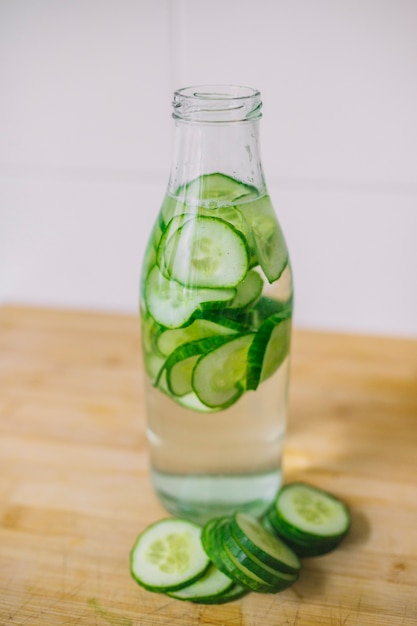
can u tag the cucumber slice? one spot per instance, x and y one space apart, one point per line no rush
235 592
169 340
217 187
271 576
266 307
219 376
171 206
248 291
172 304
183 353
268 239
213 543
312 513
255 540
168 555
179 376
269 348
209 587
240 571
169 240
206 252
301 547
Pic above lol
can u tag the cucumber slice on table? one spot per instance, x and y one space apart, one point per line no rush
235 592
256 541
309 519
269 348
276 579
168 555
207 588
219 376
205 252
172 305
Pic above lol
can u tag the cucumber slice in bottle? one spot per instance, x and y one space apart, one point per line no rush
248 291
269 348
209 587
206 252
171 339
313 514
179 376
219 376
171 206
216 186
256 541
172 305
190 350
268 238
168 555
169 240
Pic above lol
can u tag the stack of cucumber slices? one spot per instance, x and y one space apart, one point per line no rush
209 331
233 555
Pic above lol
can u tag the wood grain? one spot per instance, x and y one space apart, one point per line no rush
74 487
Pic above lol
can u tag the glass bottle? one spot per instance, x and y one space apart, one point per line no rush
216 308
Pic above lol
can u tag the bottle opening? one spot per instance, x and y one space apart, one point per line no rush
217 103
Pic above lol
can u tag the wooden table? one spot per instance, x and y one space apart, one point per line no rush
75 492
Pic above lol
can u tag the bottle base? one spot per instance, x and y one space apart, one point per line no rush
203 497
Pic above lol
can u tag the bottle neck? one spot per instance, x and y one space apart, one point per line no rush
217 131
230 149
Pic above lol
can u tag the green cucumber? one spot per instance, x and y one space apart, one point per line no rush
216 187
179 376
235 592
311 521
168 555
219 377
207 253
207 588
169 241
177 365
212 539
312 513
255 540
171 206
273 577
171 339
172 305
248 291
268 239
269 348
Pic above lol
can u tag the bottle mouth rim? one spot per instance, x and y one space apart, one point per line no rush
217 92
217 103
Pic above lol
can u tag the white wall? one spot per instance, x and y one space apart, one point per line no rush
85 143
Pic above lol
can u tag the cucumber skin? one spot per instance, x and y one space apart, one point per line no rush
249 547
259 347
271 576
214 543
304 544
